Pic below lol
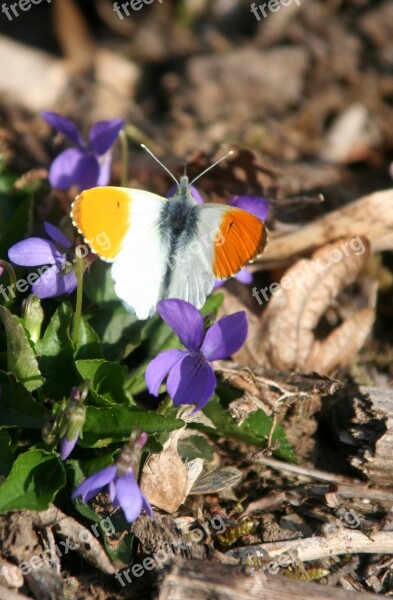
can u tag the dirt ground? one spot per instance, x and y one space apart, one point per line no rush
304 95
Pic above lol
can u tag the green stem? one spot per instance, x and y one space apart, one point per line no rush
164 406
124 158
79 268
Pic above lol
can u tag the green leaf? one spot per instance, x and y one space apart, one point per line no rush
18 227
56 355
6 456
106 381
212 304
119 330
195 446
35 478
98 286
89 346
18 407
21 360
254 430
105 426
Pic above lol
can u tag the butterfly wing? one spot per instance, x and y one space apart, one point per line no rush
240 238
226 238
152 262
121 225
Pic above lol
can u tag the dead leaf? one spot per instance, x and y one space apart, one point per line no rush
166 479
244 172
370 216
287 332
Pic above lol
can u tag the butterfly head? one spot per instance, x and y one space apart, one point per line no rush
183 191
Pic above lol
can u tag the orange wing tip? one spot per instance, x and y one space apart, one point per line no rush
102 216
245 237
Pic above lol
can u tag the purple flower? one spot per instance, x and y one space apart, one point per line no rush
124 490
37 251
67 446
87 165
254 204
191 379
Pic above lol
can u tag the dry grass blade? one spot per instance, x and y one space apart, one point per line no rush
286 336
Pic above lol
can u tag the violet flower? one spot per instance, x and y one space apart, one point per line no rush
87 165
124 490
191 379
54 280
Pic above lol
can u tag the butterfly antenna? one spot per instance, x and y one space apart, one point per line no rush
213 165
159 162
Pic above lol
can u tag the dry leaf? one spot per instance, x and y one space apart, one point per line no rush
166 479
370 216
286 335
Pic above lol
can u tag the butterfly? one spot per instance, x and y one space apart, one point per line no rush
166 248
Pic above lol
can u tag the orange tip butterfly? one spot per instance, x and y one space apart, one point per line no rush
166 248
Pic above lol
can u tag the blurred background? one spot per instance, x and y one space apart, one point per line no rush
307 91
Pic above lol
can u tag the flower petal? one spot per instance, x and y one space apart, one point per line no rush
191 381
64 125
87 172
225 337
112 494
57 235
66 446
244 276
33 252
103 135
129 496
64 169
53 283
93 484
160 366
105 163
254 204
146 505
185 320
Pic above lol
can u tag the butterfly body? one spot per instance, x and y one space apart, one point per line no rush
164 248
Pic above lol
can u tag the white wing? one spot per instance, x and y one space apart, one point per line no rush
139 268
